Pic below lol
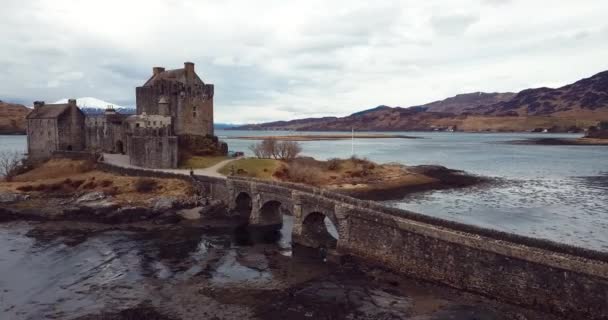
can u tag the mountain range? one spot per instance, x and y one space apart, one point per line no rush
568 108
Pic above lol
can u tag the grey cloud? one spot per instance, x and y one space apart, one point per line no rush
496 2
453 25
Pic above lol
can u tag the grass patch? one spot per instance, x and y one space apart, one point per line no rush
252 167
200 162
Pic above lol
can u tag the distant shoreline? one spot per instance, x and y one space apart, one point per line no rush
325 137
560 142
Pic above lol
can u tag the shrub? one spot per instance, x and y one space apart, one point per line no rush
144 185
303 174
333 164
9 164
89 185
111 191
26 188
77 183
106 183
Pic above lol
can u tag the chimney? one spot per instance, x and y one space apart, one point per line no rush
38 104
157 70
72 102
189 67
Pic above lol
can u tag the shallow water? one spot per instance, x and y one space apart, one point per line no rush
90 271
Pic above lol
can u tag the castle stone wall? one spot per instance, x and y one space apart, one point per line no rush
105 136
70 130
153 151
190 105
42 138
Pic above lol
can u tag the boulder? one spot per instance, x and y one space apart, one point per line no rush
9 197
91 196
190 214
163 203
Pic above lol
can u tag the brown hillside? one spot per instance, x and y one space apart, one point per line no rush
12 118
462 102
588 96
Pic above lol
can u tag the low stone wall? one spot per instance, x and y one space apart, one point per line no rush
107 167
206 186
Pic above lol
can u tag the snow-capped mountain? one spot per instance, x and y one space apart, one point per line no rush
90 105
90 102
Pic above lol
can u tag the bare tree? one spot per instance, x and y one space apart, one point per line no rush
256 148
280 150
269 148
288 150
9 162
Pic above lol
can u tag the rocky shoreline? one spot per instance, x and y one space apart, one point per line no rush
102 208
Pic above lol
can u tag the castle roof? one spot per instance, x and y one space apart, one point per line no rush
177 75
48 111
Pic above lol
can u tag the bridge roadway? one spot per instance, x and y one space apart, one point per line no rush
568 281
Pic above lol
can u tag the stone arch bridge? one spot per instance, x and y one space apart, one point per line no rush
568 281
552 277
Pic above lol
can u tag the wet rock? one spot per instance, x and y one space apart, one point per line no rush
92 196
256 261
190 214
213 208
9 197
163 203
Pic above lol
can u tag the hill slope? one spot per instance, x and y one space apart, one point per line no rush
12 118
580 104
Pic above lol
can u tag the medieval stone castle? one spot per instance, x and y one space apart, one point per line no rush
174 115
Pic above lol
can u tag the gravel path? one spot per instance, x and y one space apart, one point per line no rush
123 161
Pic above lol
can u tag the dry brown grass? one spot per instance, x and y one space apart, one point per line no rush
69 177
348 174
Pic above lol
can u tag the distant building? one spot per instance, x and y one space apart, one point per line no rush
52 127
174 112
599 132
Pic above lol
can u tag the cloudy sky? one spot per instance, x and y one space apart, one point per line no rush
278 59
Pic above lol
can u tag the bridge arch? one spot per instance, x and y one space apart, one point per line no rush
320 230
243 205
270 213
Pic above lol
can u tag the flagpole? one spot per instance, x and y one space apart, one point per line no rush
352 144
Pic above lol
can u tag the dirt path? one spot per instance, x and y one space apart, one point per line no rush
123 161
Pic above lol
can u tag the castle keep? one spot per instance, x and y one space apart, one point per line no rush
174 117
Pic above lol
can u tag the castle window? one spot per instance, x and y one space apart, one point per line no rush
194 108
194 114
154 122
137 125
